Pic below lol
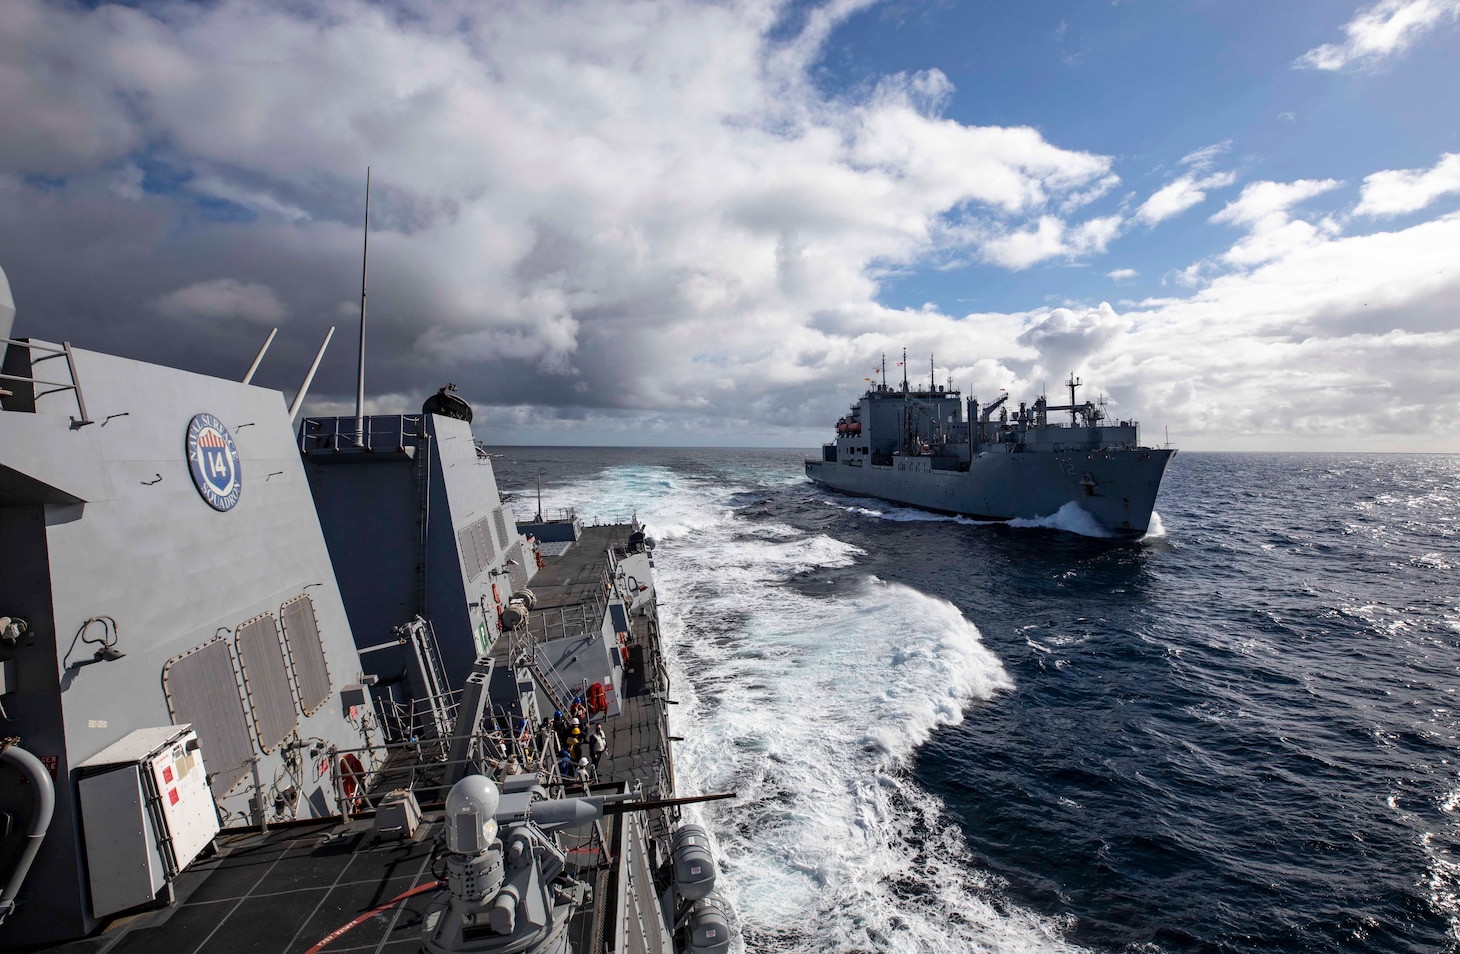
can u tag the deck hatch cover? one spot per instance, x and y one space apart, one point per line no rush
306 652
202 688
266 681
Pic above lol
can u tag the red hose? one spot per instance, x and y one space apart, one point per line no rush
339 932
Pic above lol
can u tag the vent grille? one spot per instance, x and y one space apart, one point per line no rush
201 689
505 540
477 547
470 558
306 652
266 681
517 570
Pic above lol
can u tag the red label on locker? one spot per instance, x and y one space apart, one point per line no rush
172 796
167 773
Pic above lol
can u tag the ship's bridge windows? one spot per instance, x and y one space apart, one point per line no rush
266 681
201 689
306 652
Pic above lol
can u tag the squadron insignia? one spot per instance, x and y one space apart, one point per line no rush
213 459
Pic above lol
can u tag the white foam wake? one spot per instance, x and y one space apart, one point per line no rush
1070 518
810 707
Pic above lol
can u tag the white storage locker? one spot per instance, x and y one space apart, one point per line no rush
146 812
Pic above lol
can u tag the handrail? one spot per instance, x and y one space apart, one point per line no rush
338 433
53 386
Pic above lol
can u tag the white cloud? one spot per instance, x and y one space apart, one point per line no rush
631 217
1050 238
1180 195
1264 207
1122 274
1386 29
1204 157
222 298
1398 191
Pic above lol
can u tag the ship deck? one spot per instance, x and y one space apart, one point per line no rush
286 889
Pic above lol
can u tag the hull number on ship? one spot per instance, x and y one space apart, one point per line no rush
213 460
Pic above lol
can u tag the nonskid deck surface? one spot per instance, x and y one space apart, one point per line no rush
283 892
576 576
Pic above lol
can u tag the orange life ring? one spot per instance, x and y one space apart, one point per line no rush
597 698
352 781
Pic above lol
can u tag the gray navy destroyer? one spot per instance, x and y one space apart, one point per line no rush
273 683
928 448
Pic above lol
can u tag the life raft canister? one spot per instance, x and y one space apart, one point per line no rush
623 647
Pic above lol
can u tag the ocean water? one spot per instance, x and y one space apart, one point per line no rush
1238 734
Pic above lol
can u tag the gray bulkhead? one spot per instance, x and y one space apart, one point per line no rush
103 521
415 525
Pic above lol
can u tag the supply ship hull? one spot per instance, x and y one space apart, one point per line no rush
1117 488
927 448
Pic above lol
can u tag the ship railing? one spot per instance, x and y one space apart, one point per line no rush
562 622
417 721
424 774
378 432
52 387
524 508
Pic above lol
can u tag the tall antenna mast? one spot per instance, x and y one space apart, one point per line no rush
904 370
1072 383
360 370
884 370
932 374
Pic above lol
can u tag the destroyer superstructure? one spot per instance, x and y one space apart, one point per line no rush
928 448
270 689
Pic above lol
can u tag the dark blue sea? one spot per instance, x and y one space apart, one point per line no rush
1238 734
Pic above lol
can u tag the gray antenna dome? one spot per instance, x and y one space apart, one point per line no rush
470 825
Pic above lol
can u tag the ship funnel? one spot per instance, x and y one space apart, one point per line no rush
7 310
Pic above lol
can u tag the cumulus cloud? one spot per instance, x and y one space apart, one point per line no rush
222 299
646 220
1382 31
1121 274
1264 208
1398 191
564 194
1180 195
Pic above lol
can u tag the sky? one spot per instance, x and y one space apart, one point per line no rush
649 222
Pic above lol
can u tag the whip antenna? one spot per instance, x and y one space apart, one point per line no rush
360 370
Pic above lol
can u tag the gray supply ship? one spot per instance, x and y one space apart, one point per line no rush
928 448
272 684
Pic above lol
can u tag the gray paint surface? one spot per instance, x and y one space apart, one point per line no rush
105 520
372 514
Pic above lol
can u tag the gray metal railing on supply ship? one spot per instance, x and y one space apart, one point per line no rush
381 432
